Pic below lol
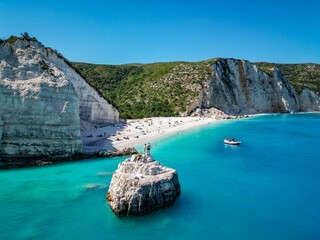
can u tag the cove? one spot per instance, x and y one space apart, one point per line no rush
266 188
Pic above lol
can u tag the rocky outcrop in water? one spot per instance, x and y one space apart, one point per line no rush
141 184
239 87
41 102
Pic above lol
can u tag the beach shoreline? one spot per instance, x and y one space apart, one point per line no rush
136 132
155 132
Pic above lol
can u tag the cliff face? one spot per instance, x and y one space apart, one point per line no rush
309 101
239 87
300 76
93 108
41 103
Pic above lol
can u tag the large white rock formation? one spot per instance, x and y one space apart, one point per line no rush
141 184
41 102
239 87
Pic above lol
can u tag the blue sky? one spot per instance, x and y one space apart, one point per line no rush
117 32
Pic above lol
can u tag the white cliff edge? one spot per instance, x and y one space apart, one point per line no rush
42 100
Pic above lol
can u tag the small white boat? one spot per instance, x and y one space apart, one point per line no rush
231 141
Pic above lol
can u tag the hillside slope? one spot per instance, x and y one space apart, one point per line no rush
300 76
144 90
170 89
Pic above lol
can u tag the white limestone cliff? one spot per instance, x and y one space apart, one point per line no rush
42 100
309 101
239 87
93 108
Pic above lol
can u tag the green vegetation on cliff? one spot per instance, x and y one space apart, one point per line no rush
12 39
169 89
300 76
145 90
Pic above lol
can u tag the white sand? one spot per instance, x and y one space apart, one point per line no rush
152 129
137 132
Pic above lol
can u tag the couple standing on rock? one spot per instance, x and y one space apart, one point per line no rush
147 148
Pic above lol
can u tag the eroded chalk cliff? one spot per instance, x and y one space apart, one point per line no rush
239 87
42 100
93 108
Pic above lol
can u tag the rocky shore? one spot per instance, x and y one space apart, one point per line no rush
215 113
25 161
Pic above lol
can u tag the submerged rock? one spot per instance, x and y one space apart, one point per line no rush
90 186
141 184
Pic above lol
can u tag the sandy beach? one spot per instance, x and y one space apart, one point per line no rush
136 132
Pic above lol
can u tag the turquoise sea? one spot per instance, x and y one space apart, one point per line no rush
266 188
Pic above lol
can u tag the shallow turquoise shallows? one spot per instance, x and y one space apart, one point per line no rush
266 188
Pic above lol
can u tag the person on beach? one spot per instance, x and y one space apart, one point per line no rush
148 149
145 149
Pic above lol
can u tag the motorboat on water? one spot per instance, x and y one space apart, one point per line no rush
231 141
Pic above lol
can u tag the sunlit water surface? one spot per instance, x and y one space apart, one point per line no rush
266 188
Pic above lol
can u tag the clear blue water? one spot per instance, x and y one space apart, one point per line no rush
267 188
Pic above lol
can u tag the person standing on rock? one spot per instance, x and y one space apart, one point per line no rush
148 149
145 149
